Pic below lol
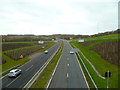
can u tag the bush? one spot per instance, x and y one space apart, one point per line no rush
15 54
109 51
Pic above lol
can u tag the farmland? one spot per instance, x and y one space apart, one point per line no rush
24 51
14 46
108 51
93 50
87 43
112 36
11 57
15 54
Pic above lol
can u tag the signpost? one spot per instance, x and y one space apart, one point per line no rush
21 56
81 40
107 75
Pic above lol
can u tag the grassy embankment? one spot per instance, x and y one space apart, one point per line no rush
112 36
10 62
43 79
100 64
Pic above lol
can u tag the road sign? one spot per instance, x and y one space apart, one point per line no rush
21 56
108 74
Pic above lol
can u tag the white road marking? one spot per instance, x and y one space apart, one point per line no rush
54 71
67 75
29 68
13 81
68 65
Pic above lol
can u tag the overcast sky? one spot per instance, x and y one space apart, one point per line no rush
46 17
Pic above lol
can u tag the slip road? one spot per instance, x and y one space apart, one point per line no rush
68 73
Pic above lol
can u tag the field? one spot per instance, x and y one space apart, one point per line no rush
93 52
14 46
108 51
112 36
87 43
43 79
11 57
15 54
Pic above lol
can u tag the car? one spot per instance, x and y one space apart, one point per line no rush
43 47
71 52
14 72
46 51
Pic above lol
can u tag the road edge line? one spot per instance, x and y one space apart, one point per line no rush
86 69
21 65
82 71
80 68
53 72
30 82
88 72
90 64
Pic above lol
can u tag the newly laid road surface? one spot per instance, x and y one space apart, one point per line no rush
29 69
68 73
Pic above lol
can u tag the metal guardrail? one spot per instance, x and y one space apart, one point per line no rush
88 72
53 71
35 77
9 69
91 65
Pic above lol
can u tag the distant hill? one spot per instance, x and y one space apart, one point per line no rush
107 33
31 37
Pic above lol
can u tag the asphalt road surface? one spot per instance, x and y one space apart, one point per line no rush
68 73
29 69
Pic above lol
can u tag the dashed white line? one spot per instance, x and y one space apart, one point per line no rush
68 65
67 75
13 81
29 68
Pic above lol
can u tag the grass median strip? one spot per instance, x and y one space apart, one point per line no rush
10 62
43 79
91 85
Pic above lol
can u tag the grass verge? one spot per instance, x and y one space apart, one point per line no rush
43 79
104 36
91 85
10 62
101 65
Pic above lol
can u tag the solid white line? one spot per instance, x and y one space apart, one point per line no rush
80 68
13 81
54 71
67 75
68 65
3 77
67 58
29 68
88 72
82 72
32 80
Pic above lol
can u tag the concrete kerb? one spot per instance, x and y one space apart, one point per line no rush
82 72
88 72
53 72
8 70
34 78
91 64
20 65
81 69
